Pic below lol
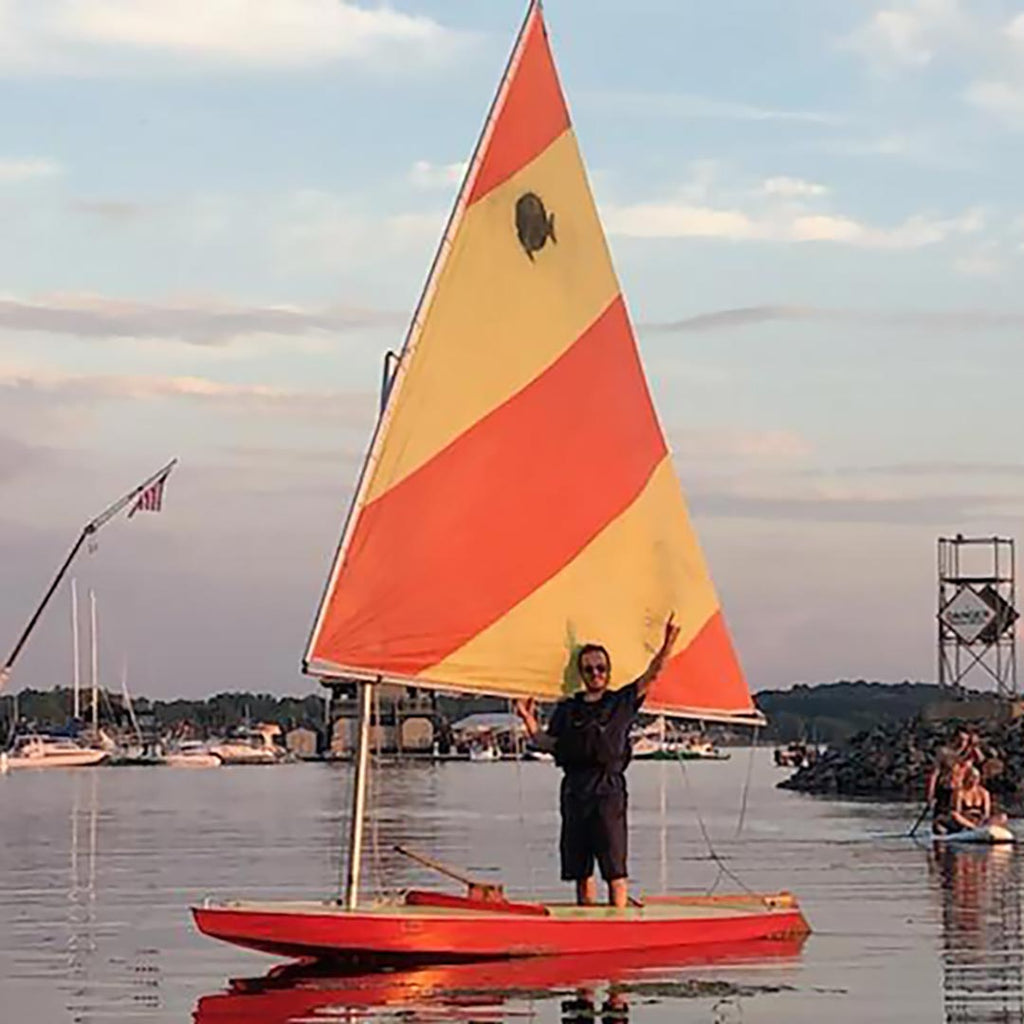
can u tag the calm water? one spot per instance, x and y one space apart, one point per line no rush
98 867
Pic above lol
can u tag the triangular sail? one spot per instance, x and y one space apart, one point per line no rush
519 497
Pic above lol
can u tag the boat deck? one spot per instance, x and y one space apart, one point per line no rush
656 908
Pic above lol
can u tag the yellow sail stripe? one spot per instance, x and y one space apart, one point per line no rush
617 591
498 318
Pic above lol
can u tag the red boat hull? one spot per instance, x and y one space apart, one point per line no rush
422 934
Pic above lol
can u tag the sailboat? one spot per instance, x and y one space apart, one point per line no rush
518 498
45 750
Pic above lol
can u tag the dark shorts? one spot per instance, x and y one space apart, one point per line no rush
593 830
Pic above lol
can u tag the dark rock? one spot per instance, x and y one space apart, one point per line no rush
892 761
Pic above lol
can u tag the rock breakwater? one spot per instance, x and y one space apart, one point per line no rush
892 761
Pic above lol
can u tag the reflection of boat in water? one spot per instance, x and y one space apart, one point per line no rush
42 751
982 938
300 992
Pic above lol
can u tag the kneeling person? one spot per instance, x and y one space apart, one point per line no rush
589 736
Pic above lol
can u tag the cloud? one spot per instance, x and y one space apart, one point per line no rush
27 168
1002 100
763 447
965 320
680 219
727 319
971 39
352 408
792 187
918 147
113 211
927 496
112 36
902 470
982 261
423 174
783 208
909 35
898 37
688 106
917 511
897 144
324 229
18 456
209 323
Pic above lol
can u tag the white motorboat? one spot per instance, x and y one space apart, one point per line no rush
250 746
655 744
532 754
192 754
40 751
484 752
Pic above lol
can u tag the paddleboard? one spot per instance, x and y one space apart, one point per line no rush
985 834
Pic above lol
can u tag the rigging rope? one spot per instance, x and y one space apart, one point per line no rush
530 867
746 784
723 869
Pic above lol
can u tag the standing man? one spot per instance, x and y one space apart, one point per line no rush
589 736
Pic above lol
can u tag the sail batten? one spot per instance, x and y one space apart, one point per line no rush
520 498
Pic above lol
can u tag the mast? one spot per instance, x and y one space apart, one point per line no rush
359 788
364 691
128 700
95 665
76 670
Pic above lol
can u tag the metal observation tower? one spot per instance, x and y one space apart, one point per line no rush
977 613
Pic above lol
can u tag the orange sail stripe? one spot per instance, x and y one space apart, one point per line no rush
532 115
706 675
459 542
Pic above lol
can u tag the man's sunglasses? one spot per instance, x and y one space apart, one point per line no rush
595 670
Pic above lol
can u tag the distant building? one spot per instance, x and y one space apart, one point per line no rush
302 742
405 719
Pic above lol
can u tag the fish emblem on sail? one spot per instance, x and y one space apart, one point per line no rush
534 225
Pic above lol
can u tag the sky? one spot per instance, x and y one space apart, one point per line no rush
217 216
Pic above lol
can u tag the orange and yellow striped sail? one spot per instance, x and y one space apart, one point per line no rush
519 497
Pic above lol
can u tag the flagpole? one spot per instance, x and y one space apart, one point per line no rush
93 526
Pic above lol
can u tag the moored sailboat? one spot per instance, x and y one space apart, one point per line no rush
518 499
46 751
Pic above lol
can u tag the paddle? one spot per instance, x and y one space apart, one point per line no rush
917 824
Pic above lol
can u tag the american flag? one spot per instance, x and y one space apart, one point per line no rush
151 499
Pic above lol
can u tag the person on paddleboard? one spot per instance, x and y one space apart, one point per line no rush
972 804
589 736
943 783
